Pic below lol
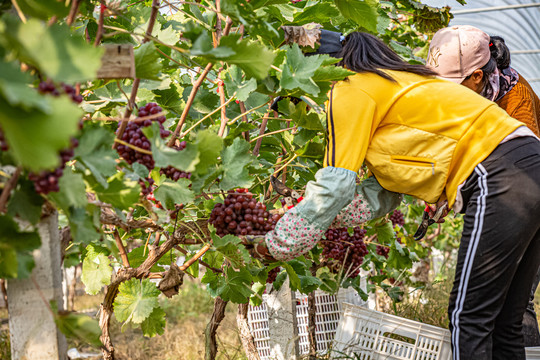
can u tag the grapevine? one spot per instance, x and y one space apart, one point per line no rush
397 218
172 172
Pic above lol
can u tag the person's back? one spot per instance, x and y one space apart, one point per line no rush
416 127
522 104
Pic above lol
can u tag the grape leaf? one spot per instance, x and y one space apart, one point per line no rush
170 193
81 225
235 160
385 232
35 138
53 50
121 191
363 12
232 249
72 191
43 9
25 202
235 84
136 300
154 324
79 326
16 248
237 286
212 145
96 269
94 152
164 156
147 61
15 90
298 70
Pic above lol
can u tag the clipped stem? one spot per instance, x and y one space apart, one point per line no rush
10 185
137 81
189 102
210 333
245 334
121 248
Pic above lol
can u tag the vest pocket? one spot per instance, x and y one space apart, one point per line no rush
414 161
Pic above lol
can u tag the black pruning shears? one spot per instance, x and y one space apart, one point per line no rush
288 194
427 221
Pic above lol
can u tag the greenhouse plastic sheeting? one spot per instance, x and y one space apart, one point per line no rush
519 27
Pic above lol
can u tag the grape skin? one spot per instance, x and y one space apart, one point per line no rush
343 251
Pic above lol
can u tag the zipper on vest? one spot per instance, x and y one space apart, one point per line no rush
433 168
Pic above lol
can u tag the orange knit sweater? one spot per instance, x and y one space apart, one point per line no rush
523 104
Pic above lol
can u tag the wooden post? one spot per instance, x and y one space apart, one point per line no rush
118 62
34 334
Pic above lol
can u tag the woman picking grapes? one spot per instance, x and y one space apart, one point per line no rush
418 136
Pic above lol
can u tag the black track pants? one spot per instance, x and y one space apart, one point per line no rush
499 254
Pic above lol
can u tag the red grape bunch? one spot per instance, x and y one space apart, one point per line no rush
3 144
46 181
133 135
272 275
241 214
343 251
397 218
47 87
172 172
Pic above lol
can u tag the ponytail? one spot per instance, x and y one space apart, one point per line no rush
499 52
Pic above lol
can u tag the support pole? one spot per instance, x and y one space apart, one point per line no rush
33 332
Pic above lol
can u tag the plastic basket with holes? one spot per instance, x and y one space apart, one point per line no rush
328 312
373 335
532 353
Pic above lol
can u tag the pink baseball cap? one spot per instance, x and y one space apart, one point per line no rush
456 51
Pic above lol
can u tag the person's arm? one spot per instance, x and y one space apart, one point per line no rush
349 132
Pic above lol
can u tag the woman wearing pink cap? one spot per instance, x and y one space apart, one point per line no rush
469 56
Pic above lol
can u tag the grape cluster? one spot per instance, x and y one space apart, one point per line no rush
46 181
397 218
345 251
47 87
133 135
272 275
146 189
384 250
172 172
241 214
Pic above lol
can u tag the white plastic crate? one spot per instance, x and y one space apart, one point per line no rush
532 353
373 335
328 311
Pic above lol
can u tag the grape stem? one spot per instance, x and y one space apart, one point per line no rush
271 133
258 144
136 148
207 116
203 263
121 249
99 33
19 12
73 11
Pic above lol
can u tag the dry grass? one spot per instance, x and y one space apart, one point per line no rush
183 339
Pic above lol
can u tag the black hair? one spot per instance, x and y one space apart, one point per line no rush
499 52
364 52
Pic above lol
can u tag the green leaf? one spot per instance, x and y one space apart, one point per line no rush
237 286
81 224
96 269
136 300
385 232
25 202
293 276
147 61
170 193
53 50
235 160
35 138
362 12
234 83
15 90
232 249
43 9
212 145
121 191
80 327
72 191
308 284
331 73
165 156
298 70
154 324
171 99
16 248
137 256
95 153
318 13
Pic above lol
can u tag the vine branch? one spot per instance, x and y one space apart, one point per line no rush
10 185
